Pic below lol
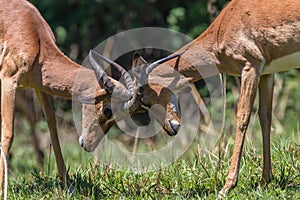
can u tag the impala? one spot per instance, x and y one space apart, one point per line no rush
253 40
30 58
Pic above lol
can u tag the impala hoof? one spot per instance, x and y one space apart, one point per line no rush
222 194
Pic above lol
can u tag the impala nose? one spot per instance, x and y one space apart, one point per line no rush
175 125
81 141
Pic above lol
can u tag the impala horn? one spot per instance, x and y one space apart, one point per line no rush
124 73
151 67
103 79
132 91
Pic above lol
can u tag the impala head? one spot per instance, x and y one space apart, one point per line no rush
97 110
156 94
125 98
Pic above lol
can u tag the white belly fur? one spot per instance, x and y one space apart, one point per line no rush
285 63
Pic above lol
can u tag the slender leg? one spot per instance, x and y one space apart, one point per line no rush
266 87
249 82
7 107
50 117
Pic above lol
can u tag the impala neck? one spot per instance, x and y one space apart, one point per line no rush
198 62
56 74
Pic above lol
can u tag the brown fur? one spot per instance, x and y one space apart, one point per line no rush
243 40
29 57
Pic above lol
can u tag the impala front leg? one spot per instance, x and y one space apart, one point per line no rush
266 87
51 121
249 82
8 88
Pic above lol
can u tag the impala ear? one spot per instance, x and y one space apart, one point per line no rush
137 60
138 65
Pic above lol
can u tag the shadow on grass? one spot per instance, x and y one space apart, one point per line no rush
81 186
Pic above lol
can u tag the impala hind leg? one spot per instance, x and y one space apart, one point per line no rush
249 82
8 91
266 87
51 121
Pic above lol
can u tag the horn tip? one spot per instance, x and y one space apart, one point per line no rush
182 52
91 53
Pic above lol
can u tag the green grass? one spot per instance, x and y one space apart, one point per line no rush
191 177
195 175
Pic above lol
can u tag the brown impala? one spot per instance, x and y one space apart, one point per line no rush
29 57
253 40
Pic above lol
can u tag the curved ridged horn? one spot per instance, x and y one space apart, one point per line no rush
101 75
104 80
124 73
151 67
145 74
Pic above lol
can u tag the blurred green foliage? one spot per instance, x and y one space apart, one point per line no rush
80 25
85 23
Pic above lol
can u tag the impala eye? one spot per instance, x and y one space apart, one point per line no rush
107 112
